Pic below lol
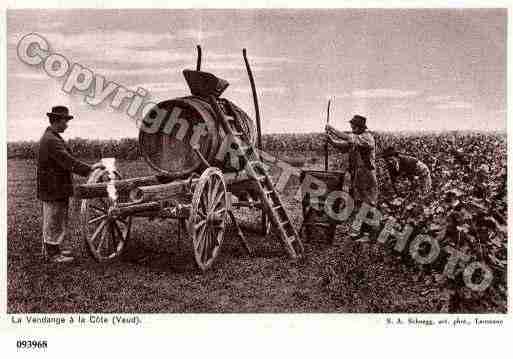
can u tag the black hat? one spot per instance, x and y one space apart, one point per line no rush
359 121
60 111
389 152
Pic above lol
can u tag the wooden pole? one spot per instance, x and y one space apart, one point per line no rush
157 192
326 154
134 209
94 190
257 118
161 191
198 61
255 100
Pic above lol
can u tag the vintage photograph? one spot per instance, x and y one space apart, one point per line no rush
257 161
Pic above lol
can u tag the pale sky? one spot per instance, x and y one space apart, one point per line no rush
402 69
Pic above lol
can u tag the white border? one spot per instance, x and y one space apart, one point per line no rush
317 335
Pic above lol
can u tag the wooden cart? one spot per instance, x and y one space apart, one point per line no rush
195 179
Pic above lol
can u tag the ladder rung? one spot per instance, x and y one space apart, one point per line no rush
270 197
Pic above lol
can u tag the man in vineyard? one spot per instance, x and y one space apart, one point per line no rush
360 145
400 165
54 183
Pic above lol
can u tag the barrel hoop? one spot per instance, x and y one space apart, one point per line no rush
243 119
205 112
215 132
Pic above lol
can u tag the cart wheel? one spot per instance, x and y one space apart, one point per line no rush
106 237
208 217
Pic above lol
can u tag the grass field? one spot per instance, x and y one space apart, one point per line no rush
158 273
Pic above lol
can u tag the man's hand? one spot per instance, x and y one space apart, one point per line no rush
330 139
345 136
342 145
334 141
97 165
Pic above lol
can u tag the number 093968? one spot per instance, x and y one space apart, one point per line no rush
31 344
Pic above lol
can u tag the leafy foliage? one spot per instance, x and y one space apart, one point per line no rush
466 209
125 148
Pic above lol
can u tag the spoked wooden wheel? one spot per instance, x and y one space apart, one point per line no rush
208 217
105 235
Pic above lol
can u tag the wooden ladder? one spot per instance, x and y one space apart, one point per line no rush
255 169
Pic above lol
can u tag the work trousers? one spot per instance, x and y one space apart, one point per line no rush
368 196
55 221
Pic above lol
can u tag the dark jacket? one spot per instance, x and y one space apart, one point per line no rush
54 168
363 161
407 167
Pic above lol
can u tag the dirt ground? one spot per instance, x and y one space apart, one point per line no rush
157 274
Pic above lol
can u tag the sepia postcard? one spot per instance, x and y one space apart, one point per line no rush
338 163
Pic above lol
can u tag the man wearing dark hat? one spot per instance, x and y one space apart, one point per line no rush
362 160
401 165
54 183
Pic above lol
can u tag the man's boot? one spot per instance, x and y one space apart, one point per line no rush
54 255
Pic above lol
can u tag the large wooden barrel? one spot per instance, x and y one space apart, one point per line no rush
171 129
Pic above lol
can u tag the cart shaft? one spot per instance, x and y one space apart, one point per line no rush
95 190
